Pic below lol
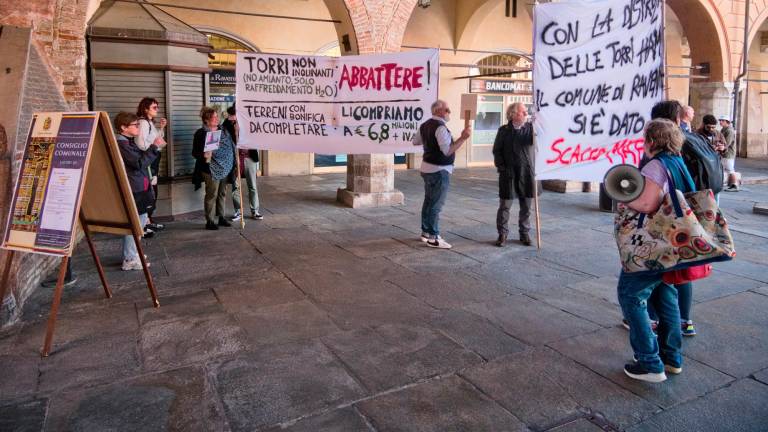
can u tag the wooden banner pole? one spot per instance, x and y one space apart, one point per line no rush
240 189
6 275
536 200
55 306
96 259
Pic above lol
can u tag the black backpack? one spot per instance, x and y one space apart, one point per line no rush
703 163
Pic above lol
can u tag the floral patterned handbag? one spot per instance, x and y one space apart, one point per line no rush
687 230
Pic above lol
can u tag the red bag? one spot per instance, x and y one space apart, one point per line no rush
689 274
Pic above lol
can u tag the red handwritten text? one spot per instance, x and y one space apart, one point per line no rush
627 150
388 76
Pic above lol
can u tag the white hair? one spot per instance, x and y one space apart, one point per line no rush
436 105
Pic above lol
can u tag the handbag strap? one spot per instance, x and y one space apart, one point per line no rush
672 192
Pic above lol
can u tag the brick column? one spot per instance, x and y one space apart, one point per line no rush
379 28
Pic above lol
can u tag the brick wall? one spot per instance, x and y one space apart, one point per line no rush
59 32
379 24
40 93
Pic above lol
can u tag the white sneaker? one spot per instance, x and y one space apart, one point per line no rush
237 216
439 244
425 237
134 264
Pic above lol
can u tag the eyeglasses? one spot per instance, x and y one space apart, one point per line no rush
448 110
133 124
153 107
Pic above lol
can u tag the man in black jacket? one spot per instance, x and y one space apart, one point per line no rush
513 155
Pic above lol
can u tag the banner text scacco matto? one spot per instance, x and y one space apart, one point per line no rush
598 72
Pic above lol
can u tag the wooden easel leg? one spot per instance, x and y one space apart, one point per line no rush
147 274
96 259
6 275
55 306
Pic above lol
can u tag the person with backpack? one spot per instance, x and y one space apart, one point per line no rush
704 165
639 291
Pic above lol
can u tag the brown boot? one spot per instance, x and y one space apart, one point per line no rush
501 240
525 239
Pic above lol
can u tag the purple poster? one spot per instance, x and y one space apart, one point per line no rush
70 153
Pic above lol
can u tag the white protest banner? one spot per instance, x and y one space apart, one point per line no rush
331 105
598 71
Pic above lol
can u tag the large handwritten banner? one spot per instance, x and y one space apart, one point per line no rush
598 71
331 105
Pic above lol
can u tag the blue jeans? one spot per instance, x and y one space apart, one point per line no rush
635 292
684 299
435 190
129 245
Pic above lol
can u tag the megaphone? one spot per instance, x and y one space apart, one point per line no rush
624 183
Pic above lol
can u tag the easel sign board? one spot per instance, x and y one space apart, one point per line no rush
71 170
107 203
50 182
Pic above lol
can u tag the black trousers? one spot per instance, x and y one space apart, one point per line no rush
524 218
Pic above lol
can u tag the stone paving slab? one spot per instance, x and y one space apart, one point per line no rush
762 376
391 356
744 268
543 388
448 290
584 306
606 351
179 400
600 263
190 340
377 248
277 384
351 308
477 334
18 375
739 407
721 284
449 404
81 362
761 290
532 321
728 349
731 336
340 420
528 273
253 294
433 260
178 307
580 425
23 416
284 323
603 288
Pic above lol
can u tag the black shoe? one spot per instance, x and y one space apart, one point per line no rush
155 226
501 240
223 222
148 233
525 239
636 371
211 226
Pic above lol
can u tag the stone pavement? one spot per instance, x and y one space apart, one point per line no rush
324 318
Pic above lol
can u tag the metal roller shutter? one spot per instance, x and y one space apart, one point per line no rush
186 100
116 90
